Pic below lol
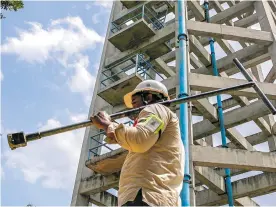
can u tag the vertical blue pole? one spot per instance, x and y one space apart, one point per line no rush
183 91
220 111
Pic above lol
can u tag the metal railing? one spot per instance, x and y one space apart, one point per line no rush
95 140
138 64
144 67
143 12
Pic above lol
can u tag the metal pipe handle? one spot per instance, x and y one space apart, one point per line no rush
256 87
19 139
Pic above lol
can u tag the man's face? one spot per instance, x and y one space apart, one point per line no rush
137 101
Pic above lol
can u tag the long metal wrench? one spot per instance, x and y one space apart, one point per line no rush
19 139
255 86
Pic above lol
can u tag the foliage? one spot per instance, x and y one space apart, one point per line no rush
11 5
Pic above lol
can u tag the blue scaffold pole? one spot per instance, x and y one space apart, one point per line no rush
183 92
220 111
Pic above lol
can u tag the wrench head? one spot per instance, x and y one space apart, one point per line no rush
17 140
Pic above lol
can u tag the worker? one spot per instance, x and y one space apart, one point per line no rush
153 171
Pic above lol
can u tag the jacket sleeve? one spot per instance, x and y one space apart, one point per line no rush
143 136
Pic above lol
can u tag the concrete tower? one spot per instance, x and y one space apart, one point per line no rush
141 43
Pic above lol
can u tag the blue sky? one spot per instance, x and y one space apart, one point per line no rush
51 52
50 57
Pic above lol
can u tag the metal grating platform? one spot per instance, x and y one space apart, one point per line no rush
130 4
132 35
108 163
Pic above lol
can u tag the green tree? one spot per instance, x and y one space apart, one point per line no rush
12 5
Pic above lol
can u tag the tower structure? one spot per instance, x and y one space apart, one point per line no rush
141 43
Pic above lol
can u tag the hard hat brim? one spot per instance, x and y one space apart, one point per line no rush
128 99
128 96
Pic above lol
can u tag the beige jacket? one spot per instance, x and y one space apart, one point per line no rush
153 164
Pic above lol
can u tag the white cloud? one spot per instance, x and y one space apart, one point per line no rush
64 40
82 81
51 160
78 117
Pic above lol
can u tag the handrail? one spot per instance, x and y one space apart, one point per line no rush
100 143
138 68
145 14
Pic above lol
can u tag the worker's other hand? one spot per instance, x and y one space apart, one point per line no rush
110 139
102 120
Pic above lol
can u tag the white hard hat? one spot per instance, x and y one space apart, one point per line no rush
147 85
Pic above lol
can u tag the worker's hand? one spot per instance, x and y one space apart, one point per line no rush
102 120
110 139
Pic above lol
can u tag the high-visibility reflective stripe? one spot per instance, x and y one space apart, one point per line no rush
154 124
